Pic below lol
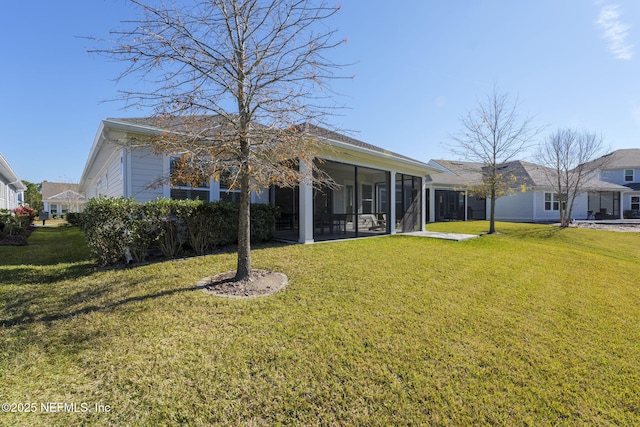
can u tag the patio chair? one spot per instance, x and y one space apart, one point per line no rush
378 222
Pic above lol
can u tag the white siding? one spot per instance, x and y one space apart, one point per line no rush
8 195
109 180
4 194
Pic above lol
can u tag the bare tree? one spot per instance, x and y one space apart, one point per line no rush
493 134
571 158
230 81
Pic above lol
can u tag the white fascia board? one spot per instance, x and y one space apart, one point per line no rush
131 127
10 175
93 152
423 168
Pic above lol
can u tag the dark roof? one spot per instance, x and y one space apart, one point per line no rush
634 186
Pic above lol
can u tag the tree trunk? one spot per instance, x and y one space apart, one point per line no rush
244 229
492 213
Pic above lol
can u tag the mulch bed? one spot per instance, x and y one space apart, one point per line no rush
16 239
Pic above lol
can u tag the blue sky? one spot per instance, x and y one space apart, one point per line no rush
419 66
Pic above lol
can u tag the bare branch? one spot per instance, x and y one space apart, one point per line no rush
494 134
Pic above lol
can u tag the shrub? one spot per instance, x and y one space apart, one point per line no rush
74 218
263 222
116 229
168 217
109 229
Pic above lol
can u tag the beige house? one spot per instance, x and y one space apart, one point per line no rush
60 198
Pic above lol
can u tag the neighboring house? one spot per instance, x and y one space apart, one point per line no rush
622 167
60 198
11 188
379 192
532 200
447 197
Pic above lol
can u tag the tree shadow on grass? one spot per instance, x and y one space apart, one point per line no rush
29 318
542 232
39 275
48 246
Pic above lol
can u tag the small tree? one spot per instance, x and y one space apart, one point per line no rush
229 82
493 134
32 195
570 158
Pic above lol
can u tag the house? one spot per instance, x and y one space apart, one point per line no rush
60 198
533 198
11 188
447 196
377 192
622 167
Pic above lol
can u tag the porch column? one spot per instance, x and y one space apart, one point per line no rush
423 214
620 197
432 204
392 202
306 206
466 205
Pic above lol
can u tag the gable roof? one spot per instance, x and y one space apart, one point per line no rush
455 172
60 190
626 158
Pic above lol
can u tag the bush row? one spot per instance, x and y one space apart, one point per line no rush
120 229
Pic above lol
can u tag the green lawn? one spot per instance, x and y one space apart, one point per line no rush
536 326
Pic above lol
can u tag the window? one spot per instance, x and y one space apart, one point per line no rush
551 202
181 189
226 193
635 203
367 198
628 175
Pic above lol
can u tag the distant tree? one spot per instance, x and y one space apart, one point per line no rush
258 66
572 157
493 134
33 195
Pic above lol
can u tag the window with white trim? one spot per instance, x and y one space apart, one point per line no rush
552 202
635 203
628 175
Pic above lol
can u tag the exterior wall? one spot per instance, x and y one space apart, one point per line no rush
626 199
144 168
580 207
109 181
515 207
616 176
10 198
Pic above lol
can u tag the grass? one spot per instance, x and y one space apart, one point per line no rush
535 326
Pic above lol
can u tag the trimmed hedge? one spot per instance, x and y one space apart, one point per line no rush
120 229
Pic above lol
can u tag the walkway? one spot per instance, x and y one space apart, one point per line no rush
445 236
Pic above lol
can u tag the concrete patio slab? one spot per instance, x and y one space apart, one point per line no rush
445 236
